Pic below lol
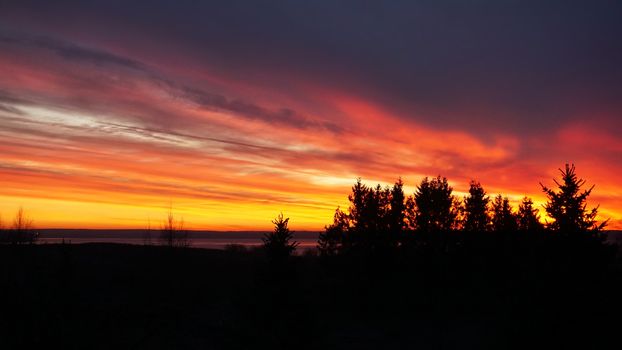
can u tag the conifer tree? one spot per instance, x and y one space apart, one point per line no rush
368 217
528 219
434 206
503 219
330 242
358 211
396 214
278 243
476 218
568 205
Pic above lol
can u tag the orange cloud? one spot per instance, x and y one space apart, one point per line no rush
88 145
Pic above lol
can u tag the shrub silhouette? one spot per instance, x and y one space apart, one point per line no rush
172 233
21 231
278 244
568 206
147 234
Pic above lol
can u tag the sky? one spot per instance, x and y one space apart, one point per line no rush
234 111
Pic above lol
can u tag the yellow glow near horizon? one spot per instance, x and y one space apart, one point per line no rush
114 155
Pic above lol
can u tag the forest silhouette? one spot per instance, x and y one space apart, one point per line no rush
426 270
385 221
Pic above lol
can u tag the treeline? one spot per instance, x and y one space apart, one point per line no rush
382 220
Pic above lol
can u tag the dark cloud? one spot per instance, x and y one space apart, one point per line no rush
69 51
476 65
250 110
9 109
156 133
9 98
210 101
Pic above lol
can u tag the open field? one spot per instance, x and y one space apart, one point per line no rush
103 296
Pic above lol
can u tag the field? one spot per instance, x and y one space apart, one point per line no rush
104 296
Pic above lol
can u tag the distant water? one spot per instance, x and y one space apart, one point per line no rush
197 239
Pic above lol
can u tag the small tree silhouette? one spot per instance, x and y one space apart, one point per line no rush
147 234
476 217
503 219
528 219
278 243
567 206
330 242
172 233
3 236
22 229
396 213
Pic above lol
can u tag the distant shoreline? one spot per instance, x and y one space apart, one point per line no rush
61 232
197 238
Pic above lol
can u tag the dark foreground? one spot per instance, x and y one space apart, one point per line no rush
111 296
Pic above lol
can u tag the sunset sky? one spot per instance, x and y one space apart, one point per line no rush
237 110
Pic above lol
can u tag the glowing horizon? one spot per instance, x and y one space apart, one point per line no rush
106 127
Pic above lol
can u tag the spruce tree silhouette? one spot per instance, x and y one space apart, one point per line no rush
476 218
365 216
278 244
357 213
503 218
435 208
528 219
397 213
330 242
374 223
568 206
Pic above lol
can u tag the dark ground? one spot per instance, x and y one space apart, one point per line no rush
112 296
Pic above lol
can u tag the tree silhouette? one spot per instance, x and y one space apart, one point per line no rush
476 217
147 234
358 214
3 237
330 242
567 206
22 229
503 219
172 233
435 208
375 221
528 219
367 216
278 243
396 215
377 218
